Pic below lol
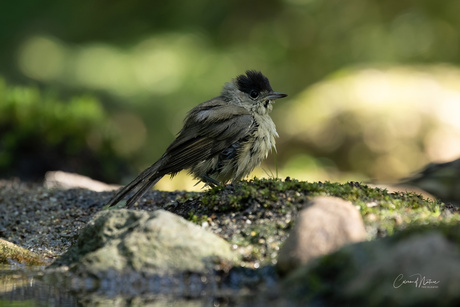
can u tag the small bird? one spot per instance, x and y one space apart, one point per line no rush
222 140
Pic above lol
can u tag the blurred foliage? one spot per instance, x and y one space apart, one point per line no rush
151 61
378 123
40 132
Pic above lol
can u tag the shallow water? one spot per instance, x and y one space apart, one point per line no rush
28 286
21 286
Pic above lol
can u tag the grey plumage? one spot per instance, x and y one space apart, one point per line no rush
222 139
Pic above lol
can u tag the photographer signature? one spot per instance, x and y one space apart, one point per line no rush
417 280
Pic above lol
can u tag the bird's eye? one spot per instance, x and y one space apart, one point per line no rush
254 94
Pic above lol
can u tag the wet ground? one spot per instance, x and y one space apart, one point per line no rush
47 221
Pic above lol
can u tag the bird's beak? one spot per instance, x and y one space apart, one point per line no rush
276 95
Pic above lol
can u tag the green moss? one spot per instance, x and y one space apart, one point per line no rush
10 251
197 219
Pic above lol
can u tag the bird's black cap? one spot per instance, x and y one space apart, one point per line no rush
253 80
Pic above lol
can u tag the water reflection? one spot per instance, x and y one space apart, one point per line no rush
22 287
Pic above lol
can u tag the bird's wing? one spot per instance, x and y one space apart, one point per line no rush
210 128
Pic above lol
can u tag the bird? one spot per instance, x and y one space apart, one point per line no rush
222 139
441 180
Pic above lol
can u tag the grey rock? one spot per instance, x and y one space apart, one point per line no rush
327 224
64 180
418 266
144 242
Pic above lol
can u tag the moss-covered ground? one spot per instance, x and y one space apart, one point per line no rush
256 215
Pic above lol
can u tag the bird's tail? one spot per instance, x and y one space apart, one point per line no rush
142 183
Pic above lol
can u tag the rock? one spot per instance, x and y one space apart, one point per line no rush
324 226
63 180
439 179
10 253
418 266
129 241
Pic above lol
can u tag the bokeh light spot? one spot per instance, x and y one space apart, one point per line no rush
42 58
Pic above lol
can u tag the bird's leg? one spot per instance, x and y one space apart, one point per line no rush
210 181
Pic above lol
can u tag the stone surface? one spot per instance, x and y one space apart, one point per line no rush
415 267
145 242
11 253
420 267
325 225
64 180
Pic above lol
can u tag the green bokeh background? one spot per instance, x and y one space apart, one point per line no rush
123 74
